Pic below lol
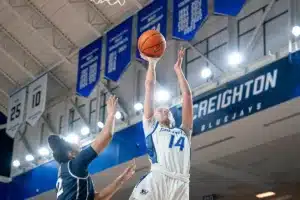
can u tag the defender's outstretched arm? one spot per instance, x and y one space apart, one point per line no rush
105 135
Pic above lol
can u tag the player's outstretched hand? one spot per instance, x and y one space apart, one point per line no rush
149 59
128 173
112 105
178 64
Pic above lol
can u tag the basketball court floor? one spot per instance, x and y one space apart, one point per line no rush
242 64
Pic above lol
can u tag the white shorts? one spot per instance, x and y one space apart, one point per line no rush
157 186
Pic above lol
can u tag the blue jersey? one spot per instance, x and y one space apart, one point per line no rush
74 182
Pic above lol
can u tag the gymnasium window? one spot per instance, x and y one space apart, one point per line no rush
272 37
61 124
92 113
75 123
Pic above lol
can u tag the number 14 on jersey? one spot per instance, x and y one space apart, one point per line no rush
179 143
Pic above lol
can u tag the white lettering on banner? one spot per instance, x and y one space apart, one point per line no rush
232 117
186 20
147 17
229 97
90 60
93 73
150 24
16 107
37 92
124 40
157 27
83 80
152 19
182 3
119 46
112 62
253 87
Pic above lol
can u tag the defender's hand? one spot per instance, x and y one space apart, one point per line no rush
178 64
128 173
112 105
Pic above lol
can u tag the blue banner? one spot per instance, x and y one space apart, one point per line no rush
89 67
153 16
118 50
228 7
259 90
188 17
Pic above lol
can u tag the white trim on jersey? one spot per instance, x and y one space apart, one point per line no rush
77 194
87 189
74 175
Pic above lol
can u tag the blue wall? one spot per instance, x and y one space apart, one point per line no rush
279 82
3 191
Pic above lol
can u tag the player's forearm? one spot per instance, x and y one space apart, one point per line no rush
104 137
110 190
149 90
183 84
150 75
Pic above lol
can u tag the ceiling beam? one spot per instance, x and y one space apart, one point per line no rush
204 57
35 31
21 67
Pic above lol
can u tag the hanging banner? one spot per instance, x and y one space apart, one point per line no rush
188 17
252 93
37 96
153 16
16 108
89 67
228 7
118 50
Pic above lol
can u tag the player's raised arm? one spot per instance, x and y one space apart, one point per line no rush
150 87
104 137
187 99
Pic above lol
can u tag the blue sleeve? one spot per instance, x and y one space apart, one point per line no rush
79 165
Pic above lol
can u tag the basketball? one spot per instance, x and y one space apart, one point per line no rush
152 44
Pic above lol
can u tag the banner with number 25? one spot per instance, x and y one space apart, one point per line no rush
15 117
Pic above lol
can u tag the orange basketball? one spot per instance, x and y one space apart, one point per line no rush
152 44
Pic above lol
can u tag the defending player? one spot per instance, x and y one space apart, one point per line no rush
74 182
168 146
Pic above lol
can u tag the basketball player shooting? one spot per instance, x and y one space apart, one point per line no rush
168 146
74 182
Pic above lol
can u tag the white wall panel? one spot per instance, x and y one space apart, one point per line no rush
218 39
194 72
279 7
202 47
276 33
219 57
250 22
258 49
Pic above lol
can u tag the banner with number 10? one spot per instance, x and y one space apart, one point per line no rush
37 92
